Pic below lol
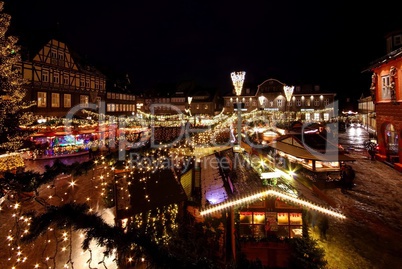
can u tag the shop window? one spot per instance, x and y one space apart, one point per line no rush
290 224
252 224
283 219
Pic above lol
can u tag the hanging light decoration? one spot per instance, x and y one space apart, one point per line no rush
238 79
288 92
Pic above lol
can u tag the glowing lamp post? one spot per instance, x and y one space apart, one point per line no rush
238 79
288 93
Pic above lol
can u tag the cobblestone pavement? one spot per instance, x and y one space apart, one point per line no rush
371 235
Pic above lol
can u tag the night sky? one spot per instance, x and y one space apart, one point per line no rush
315 42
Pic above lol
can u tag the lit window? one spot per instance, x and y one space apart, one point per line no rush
41 99
386 93
67 100
66 80
55 100
84 100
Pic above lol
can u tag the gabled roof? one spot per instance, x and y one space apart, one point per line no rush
30 48
389 57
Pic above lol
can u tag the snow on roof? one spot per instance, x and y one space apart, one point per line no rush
212 185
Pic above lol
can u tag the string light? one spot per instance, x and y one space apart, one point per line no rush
257 196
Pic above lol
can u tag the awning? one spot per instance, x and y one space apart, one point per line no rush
303 153
87 131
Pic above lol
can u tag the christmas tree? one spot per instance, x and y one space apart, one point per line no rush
12 93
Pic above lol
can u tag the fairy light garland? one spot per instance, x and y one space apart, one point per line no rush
259 195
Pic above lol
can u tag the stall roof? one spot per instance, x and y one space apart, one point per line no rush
311 147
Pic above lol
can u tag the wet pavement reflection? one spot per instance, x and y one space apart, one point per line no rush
371 234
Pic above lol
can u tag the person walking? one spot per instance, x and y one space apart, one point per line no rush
323 225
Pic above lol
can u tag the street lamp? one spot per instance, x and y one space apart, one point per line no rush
288 93
238 79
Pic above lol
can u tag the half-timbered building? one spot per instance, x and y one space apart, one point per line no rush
60 82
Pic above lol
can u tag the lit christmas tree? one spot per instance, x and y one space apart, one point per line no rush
12 92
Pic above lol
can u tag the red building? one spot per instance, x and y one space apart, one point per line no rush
386 91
